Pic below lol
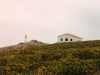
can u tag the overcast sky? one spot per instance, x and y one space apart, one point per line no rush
44 20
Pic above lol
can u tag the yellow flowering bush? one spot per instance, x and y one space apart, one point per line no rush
77 58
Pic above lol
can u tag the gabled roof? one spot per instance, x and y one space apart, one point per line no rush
71 35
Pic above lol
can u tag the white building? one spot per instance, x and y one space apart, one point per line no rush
68 38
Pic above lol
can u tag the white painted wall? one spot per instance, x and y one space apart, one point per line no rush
69 37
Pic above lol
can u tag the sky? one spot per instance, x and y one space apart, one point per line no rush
44 20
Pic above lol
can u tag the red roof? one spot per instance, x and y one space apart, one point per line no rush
71 35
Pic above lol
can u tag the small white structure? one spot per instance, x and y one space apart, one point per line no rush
68 38
25 40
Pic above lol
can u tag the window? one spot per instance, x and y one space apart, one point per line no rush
61 39
71 39
66 39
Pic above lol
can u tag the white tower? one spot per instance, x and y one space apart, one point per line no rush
25 41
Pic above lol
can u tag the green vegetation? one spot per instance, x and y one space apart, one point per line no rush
77 58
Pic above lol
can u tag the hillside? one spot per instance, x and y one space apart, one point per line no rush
19 46
75 58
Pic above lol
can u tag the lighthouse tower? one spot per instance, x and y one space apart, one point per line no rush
25 41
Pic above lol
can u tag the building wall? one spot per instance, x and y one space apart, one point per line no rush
66 36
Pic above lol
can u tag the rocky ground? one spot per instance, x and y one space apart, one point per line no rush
31 43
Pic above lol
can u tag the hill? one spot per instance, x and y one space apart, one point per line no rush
73 58
19 46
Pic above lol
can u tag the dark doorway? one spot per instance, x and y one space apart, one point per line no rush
66 39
